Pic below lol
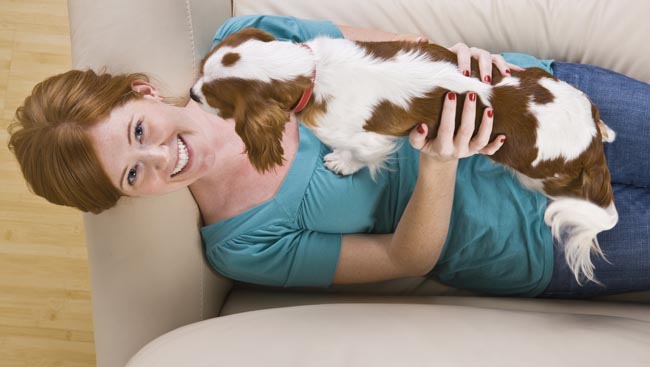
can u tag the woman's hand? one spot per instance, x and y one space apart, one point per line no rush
485 60
449 146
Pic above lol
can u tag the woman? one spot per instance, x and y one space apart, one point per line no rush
465 221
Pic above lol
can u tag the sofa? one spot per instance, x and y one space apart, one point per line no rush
157 302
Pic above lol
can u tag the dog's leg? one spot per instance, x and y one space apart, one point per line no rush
360 150
342 162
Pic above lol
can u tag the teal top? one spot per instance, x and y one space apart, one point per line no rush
497 240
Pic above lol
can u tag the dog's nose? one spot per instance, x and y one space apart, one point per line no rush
194 96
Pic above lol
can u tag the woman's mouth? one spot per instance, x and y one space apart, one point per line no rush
183 157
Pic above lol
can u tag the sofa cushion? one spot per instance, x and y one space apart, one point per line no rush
401 335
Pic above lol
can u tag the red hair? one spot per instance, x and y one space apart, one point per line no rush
50 141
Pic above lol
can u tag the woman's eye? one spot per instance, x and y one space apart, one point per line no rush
131 176
139 131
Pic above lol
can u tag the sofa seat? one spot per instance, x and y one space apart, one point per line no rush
378 334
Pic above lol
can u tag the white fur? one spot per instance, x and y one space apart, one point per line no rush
288 61
509 81
570 113
577 222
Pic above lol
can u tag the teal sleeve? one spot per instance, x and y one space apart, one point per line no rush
281 27
296 259
528 61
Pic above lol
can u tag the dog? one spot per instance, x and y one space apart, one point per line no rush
360 97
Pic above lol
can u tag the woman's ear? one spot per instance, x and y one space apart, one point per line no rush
147 90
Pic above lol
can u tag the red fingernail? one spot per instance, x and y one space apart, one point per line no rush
488 79
466 72
452 96
502 139
508 71
490 113
421 129
472 97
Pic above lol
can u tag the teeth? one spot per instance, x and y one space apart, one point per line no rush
183 156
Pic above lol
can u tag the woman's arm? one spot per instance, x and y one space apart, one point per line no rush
426 219
414 248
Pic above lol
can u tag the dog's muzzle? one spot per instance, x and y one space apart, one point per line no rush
194 96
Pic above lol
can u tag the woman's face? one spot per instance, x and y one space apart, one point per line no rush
148 147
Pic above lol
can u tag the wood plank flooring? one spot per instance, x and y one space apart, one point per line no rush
45 306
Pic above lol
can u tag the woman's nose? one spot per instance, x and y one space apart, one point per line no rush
159 157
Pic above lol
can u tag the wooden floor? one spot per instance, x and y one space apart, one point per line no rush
45 308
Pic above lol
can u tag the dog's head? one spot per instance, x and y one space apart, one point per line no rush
254 80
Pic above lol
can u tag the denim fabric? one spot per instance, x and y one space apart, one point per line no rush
624 105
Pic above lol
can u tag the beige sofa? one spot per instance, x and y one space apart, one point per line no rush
151 281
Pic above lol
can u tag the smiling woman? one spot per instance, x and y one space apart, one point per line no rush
85 139
50 131
149 147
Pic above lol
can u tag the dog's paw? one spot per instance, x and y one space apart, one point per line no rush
342 162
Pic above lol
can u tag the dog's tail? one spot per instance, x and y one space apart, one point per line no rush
575 224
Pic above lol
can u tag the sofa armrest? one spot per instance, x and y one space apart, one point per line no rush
148 271
148 274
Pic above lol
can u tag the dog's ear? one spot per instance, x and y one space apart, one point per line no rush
260 123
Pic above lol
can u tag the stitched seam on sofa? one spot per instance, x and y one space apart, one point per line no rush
188 11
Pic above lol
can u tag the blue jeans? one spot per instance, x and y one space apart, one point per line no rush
624 105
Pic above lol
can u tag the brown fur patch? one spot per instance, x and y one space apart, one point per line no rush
310 115
230 59
585 177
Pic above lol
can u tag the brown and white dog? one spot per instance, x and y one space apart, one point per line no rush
359 97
